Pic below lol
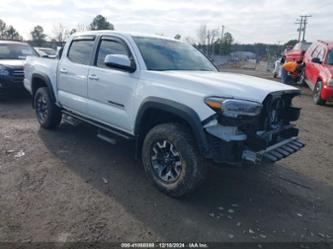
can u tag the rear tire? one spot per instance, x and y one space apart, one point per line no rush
317 94
48 114
171 160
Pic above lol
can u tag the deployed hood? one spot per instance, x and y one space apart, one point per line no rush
12 63
220 84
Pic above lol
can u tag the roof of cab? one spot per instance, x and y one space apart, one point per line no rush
329 44
126 34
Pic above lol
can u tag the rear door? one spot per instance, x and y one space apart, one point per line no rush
316 67
111 91
72 74
310 67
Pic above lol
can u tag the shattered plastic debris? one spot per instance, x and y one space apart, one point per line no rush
105 180
231 211
231 236
19 154
211 215
263 236
299 215
321 235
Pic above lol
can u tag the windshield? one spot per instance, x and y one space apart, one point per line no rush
330 58
162 54
15 51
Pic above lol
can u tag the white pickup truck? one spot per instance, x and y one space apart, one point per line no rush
167 97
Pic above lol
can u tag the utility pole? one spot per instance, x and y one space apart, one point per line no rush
302 26
305 22
222 32
300 22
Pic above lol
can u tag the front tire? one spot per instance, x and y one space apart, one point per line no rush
171 159
317 94
48 114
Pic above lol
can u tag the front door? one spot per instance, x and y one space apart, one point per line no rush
111 90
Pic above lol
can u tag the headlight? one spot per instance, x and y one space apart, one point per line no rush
234 107
330 82
3 71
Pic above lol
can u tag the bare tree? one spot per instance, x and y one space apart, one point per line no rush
82 27
61 33
202 34
212 35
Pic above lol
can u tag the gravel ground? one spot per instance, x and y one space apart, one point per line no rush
67 185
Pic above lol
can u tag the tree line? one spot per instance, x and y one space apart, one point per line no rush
60 31
209 41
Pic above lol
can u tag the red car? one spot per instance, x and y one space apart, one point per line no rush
318 71
297 52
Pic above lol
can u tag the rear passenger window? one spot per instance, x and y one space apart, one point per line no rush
80 51
110 47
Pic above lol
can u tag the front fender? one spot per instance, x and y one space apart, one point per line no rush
180 110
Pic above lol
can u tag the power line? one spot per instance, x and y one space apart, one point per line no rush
305 22
302 26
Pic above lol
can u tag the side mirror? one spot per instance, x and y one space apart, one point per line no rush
119 61
316 60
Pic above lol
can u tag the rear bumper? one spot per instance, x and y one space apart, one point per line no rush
274 152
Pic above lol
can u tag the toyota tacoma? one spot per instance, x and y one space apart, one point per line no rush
169 99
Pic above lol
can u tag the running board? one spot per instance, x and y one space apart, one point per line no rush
106 137
71 120
275 152
99 125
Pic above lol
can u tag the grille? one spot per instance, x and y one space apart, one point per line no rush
275 108
17 76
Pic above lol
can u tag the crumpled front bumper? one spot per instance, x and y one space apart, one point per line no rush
274 152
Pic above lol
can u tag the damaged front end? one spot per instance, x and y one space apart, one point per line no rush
262 133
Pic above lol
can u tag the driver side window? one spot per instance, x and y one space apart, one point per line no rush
321 54
110 47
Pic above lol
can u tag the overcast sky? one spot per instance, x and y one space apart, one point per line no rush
249 21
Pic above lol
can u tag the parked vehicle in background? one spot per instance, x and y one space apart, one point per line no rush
297 52
46 52
318 71
169 99
12 57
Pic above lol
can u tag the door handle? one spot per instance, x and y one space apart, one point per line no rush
63 70
93 77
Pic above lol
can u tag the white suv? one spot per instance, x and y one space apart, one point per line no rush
169 99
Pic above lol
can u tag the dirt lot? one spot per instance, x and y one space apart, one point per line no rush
67 185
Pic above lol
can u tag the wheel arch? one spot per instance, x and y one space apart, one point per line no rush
41 80
155 111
